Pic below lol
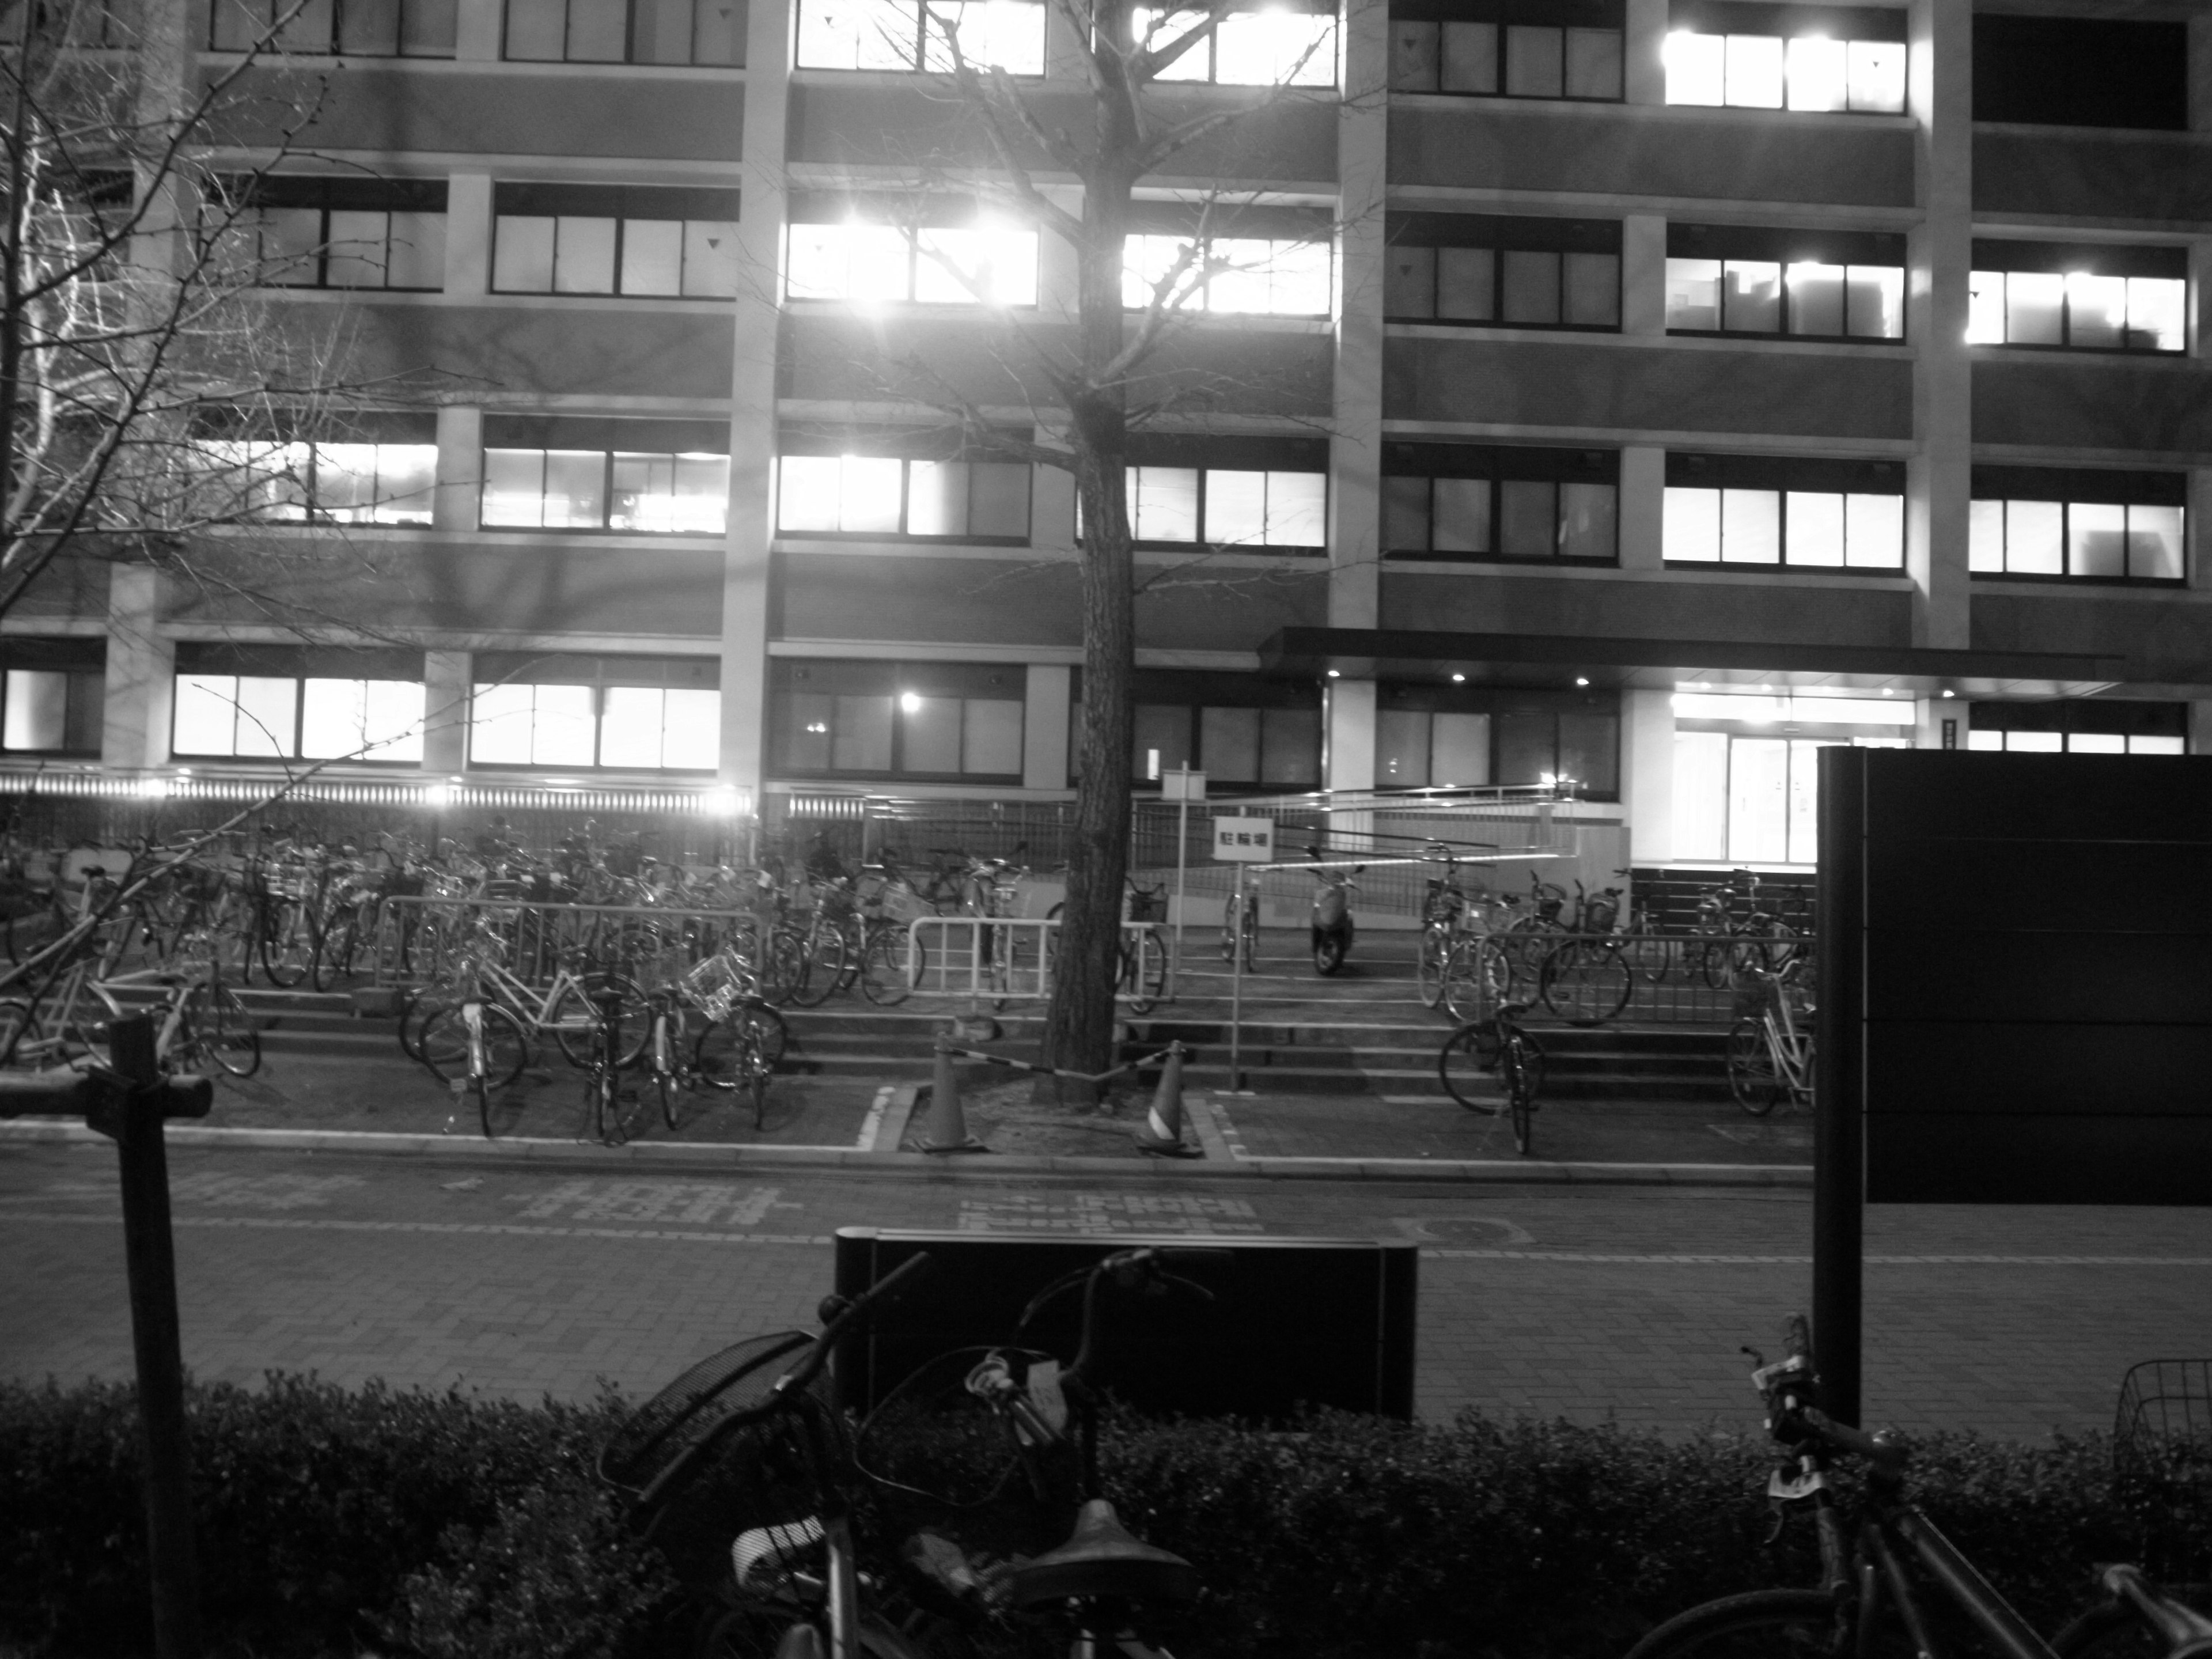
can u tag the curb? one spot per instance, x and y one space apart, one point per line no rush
1218 1164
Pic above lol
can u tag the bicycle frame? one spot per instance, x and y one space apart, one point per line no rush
1790 1049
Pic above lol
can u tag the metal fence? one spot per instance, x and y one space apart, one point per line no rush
1669 979
417 939
996 960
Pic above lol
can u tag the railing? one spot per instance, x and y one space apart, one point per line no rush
993 959
417 939
1669 979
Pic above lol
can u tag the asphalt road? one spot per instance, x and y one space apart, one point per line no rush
1595 1303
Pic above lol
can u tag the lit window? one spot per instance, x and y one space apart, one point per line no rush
633 727
1732 280
2084 540
1262 45
1809 72
360 483
2079 309
900 36
886 496
1283 276
1228 508
57 710
291 231
959 265
931 719
660 494
392 28
1799 514
2080 727
264 716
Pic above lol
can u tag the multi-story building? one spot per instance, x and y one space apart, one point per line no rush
1640 391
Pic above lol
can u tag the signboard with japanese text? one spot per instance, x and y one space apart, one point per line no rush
1180 785
1244 840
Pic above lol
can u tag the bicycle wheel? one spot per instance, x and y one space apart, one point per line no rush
288 945
783 967
18 1025
888 966
1753 1078
1477 976
499 1102
340 944
1521 1073
1434 950
445 1044
615 1110
1773 1623
1462 1067
226 1033
823 966
1650 956
663 1049
1586 982
718 1058
574 1018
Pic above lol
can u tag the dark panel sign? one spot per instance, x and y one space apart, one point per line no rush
1293 1322
2023 988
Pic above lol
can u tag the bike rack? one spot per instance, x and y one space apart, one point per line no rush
1017 967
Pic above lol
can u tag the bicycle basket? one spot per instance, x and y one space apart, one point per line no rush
2162 1463
1600 915
1147 904
756 1477
1753 997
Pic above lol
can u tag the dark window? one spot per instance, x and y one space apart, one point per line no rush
1242 731
1471 502
52 696
1507 272
945 720
2076 72
707 32
291 231
2081 727
1443 736
1508 48
356 28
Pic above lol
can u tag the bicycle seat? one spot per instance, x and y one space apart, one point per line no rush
1103 1559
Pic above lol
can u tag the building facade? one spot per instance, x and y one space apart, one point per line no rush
1638 392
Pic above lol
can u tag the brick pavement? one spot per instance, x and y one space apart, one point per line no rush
1627 1304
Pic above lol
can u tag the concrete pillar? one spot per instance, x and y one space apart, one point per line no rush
2199 725
142 668
1647 774
1355 455
2197 533
2200 272
1933 712
1938 478
1643 274
467 234
1645 63
1348 734
455 501
1642 502
2200 71
478 30
753 438
1044 726
445 679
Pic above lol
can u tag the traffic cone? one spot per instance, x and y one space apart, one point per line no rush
947 1130
1162 1133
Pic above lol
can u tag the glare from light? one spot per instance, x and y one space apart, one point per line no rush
153 789
1332 674
724 802
1579 680
1459 679
1950 694
438 795
910 702
1887 692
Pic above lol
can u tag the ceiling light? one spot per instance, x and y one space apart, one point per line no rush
1459 679
1579 680
1332 674
1950 694
911 701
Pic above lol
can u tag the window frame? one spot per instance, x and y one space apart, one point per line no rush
1759 20
333 40
918 58
825 208
808 448
1197 300
311 510
1210 47
1500 704
2153 262
2066 717
621 205
82 665
631 32
300 666
598 673
423 198
1745 245
1499 17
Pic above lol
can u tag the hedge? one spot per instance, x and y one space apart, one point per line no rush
335 1522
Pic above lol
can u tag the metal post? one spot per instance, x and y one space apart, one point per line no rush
1237 989
1182 842
148 1252
1839 1084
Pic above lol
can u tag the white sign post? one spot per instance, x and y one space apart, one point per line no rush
1241 841
1182 787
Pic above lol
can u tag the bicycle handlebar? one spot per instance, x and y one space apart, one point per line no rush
1790 1387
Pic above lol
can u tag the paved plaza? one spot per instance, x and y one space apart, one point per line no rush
523 1276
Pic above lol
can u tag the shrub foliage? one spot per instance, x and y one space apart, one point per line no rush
332 1522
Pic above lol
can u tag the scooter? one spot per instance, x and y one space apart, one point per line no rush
1331 924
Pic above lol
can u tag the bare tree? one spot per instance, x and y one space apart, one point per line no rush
1092 373
134 349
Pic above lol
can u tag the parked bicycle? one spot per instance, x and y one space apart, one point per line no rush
1883 1562
741 1472
1770 1046
1499 1048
